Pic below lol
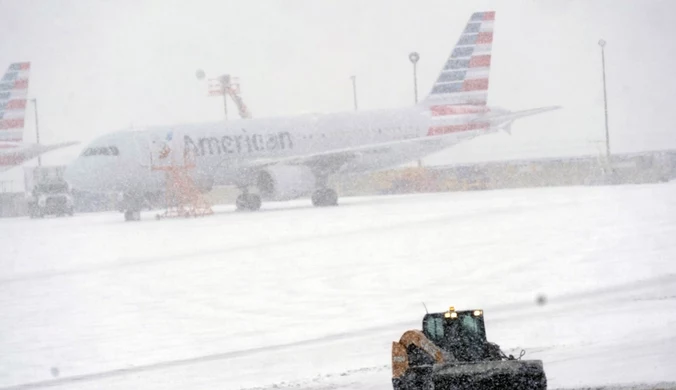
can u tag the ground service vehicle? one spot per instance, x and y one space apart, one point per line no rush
452 352
50 199
47 191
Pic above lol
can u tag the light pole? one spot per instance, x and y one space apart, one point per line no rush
354 90
37 128
602 43
414 57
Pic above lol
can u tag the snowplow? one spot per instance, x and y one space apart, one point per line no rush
452 352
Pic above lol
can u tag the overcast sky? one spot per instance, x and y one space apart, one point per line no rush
104 65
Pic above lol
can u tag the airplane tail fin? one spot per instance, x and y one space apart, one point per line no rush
13 95
464 77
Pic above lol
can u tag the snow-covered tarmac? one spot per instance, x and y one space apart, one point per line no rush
299 297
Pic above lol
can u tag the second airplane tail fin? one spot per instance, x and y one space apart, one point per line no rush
13 90
464 78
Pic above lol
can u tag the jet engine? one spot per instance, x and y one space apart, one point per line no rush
283 182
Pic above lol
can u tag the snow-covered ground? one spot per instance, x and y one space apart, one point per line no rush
300 297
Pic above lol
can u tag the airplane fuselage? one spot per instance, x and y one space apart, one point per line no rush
223 150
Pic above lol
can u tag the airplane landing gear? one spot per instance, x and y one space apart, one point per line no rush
323 197
247 201
132 215
131 204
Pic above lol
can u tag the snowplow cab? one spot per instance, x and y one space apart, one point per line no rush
462 333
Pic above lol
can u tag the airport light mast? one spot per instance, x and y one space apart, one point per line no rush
602 43
37 128
414 57
354 90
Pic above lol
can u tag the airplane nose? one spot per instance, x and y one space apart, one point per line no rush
92 174
85 175
74 174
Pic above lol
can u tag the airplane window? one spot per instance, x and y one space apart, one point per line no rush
102 151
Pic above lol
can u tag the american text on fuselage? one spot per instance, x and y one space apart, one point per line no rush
238 144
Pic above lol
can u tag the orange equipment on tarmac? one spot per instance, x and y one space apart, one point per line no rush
183 197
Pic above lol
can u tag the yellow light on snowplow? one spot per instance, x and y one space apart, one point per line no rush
477 313
451 313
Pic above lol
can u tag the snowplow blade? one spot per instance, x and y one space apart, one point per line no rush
490 375
506 374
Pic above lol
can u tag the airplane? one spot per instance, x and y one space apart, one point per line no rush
13 93
290 157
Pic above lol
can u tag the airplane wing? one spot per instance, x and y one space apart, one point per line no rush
382 155
333 161
19 154
37 150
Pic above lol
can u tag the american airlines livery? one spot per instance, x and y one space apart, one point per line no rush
286 158
13 98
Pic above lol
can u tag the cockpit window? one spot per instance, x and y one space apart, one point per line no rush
102 151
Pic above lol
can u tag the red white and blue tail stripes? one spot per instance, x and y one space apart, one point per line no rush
459 95
13 95
448 119
464 78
